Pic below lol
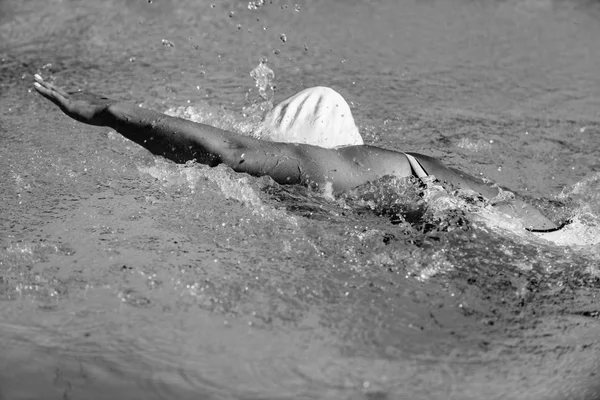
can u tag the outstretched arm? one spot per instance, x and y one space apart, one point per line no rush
175 138
181 140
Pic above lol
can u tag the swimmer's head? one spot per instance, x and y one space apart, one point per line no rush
319 116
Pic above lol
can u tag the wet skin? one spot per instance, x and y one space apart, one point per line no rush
287 163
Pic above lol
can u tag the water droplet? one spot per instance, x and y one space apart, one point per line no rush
305 47
263 75
231 14
296 8
212 6
168 43
276 51
239 26
255 5
283 37
131 59
149 1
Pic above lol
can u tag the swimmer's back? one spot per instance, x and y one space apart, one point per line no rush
531 217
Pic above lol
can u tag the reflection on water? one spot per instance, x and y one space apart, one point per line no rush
121 273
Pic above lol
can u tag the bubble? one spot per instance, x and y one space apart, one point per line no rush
131 59
296 8
239 26
231 14
283 37
212 6
149 1
276 51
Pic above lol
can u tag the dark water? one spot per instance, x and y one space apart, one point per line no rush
123 275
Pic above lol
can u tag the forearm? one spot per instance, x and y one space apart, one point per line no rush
175 138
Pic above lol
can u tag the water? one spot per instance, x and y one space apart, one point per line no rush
126 276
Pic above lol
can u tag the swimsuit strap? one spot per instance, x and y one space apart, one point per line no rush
416 166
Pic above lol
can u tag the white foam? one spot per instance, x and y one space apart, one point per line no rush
231 185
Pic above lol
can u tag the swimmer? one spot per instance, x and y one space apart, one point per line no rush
309 139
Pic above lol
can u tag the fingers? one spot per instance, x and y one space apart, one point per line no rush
49 91
49 94
41 83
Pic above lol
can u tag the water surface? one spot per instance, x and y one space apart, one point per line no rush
123 275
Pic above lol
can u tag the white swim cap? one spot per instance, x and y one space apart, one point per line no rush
319 116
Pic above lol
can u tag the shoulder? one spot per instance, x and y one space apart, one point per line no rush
376 160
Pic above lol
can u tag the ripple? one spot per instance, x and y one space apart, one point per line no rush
228 358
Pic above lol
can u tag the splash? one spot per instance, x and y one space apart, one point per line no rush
231 185
399 198
258 105
427 206
263 76
206 114
584 229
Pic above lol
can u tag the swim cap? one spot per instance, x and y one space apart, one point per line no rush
319 116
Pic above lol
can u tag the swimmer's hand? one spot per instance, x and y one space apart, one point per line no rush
84 107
